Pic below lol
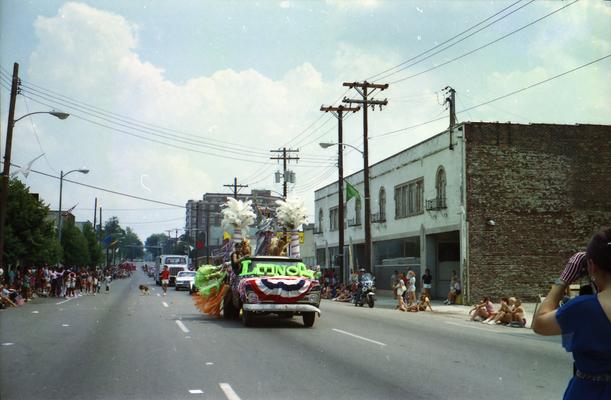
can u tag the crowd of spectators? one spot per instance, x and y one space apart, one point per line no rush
509 312
18 286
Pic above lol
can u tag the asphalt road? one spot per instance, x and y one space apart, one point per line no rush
126 346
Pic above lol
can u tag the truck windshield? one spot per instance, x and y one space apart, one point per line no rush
175 260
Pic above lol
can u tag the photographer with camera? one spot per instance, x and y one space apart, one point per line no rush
584 322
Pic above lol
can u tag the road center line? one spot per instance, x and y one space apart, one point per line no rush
226 388
359 337
165 304
182 326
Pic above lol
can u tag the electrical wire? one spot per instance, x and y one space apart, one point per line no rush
386 71
496 98
485 45
101 189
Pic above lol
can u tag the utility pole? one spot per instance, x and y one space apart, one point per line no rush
95 214
338 112
286 158
7 160
100 231
363 89
196 233
207 233
451 99
235 187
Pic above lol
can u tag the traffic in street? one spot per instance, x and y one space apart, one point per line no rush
129 345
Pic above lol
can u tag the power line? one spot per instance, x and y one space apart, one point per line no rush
496 98
102 189
440 44
485 45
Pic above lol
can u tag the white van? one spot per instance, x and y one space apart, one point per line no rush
175 263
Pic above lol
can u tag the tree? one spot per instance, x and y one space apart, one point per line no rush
131 246
95 249
76 250
30 237
154 242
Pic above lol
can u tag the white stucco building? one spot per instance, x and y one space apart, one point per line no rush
417 206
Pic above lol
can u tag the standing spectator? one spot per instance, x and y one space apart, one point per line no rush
393 282
427 283
400 289
165 279
107 280
11 277
411 288
583 322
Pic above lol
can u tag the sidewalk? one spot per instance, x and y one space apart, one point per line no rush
384 299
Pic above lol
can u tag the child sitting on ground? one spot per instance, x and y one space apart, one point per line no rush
422 304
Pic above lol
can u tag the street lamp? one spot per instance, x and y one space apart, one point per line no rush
61 184
340 165
7 152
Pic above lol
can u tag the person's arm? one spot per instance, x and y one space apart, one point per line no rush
544 321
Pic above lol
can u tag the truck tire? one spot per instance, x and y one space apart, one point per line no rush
247 318
229 311
308 319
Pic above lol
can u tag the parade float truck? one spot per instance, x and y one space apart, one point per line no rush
272 285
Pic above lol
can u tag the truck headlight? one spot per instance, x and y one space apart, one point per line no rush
313 298
252 297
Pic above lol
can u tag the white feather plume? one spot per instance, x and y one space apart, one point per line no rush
237 214
291 213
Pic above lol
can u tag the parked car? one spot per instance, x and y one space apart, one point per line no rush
186 280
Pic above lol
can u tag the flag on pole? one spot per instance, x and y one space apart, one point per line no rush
351 192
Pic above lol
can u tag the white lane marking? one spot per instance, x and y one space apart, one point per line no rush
158 295
226 388
165 304
65 325
196 391
7 344
182 326
209 363
468 326
359 337
34 312
187 337
62 302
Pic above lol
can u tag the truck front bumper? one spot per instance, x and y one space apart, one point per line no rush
277 308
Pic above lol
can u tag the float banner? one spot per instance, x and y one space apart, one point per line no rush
270 269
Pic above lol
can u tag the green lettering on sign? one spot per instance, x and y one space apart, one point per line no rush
265 269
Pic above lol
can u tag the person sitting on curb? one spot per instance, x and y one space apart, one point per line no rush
344 294
483 310
422 304
517 315
503 315
504 300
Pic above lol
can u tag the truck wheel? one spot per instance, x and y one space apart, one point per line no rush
308 319
247 318
229 311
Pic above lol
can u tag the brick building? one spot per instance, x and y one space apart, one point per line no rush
503 205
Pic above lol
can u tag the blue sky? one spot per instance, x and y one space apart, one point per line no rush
251 76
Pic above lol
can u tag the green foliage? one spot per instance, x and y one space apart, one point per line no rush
130 246
96 256
30 237
76 250
156 239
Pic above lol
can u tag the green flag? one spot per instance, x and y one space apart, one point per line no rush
351 192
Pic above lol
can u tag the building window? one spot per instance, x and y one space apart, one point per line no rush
357 211
409 198
440 185
333 219
320 219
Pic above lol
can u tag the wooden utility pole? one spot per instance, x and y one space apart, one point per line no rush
7 161
338 112
363 89
286 158
451 99
235 187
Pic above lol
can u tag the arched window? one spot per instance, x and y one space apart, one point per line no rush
440 186
382 204
357 211
320 219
